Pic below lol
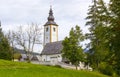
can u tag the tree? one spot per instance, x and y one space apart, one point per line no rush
26 38
115 33
11 39
5 49
105 30
72 50
97 20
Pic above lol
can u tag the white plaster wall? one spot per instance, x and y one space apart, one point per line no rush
54 34
44 58
39 57
50 57
46 35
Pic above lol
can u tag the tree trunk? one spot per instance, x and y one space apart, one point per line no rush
28 59
76 67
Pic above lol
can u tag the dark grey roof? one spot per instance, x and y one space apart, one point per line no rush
34 58
23 52
52 48
19 51
50 23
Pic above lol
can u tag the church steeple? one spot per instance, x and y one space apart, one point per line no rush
51 18
50 29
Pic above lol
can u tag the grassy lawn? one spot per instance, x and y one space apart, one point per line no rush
16 69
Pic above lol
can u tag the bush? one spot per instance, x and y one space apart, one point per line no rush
17 56
107 69
58 66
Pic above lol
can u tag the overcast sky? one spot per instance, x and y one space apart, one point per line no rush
67 13
22 12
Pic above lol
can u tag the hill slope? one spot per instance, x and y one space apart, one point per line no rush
16 69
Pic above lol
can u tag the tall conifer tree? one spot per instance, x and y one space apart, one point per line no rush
115 32
98 24
5 49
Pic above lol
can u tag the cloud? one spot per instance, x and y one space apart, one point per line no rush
21 12
67 13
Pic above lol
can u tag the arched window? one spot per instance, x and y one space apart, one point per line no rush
47 29
54 29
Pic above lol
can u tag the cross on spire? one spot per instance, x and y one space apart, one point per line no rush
51 6
51 3
50 17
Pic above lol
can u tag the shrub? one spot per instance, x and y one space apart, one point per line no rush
17 56
58 66
107 69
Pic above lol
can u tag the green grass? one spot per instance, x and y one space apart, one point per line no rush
16 69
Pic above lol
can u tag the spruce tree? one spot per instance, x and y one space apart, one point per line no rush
97 20
115 33
5 49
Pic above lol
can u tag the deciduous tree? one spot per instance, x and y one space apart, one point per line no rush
72 49
26 38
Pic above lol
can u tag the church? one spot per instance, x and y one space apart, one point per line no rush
51 53
52 47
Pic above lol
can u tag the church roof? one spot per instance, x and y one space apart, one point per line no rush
51 19
50 23
52 48
21 51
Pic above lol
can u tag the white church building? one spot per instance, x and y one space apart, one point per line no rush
51 52
52 47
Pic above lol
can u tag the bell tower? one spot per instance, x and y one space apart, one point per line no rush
50 29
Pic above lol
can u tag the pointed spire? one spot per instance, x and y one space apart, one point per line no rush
50 17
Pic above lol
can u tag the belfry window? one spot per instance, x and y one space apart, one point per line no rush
54 29
47 29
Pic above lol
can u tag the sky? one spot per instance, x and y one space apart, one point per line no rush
67 13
